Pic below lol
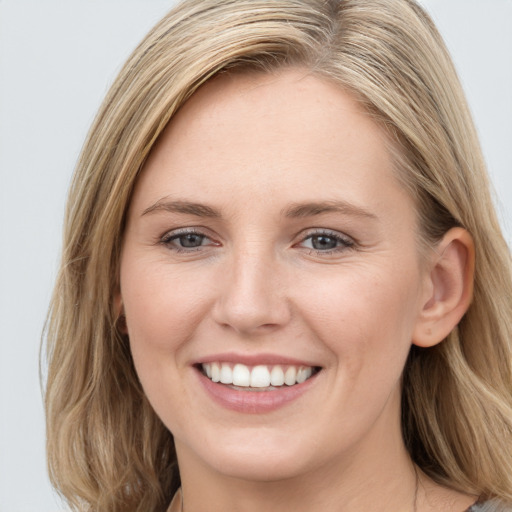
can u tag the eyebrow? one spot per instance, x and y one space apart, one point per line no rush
297 210
186 207
300 210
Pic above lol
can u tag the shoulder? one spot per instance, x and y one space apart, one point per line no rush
491 506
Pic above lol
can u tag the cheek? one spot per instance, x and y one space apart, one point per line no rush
363 296
157 301
366 318
162 310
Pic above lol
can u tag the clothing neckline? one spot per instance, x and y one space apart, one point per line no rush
176 504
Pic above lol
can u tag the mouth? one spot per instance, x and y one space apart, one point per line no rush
259 377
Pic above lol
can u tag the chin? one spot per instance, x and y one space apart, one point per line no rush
261 467
252 456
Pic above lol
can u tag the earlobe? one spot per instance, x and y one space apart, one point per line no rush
450 288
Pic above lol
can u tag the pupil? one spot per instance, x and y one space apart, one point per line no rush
323 242
191 240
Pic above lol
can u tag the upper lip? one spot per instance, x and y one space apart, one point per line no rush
254 359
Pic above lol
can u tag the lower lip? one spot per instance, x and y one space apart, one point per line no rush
254 402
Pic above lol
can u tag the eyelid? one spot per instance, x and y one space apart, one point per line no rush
169 236
306 233
347 241
184 230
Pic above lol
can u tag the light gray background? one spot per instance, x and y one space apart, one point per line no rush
57 59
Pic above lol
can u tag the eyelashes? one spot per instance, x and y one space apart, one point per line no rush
325 241
314 241
187 240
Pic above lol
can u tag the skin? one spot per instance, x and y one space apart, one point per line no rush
252 148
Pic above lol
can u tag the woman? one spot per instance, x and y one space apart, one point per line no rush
283 274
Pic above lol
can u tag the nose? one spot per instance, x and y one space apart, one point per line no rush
252 295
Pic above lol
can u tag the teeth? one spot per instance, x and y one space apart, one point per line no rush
226 374
260 376
215 372
303 374
277 376
241 375
290 376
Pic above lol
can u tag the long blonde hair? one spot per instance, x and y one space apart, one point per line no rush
107 449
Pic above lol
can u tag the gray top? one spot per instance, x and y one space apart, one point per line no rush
490 506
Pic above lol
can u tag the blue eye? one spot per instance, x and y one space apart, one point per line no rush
190 240
185 241
323 242
326 242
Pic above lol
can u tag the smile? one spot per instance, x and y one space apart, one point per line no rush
259 377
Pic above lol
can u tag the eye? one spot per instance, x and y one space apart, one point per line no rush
326 242
190 240
186 240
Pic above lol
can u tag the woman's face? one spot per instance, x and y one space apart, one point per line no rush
268 241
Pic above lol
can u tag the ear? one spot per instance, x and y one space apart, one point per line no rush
449 288
119 313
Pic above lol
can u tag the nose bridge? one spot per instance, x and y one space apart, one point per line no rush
252 295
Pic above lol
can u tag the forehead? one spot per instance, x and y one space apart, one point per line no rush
292 101
258 133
